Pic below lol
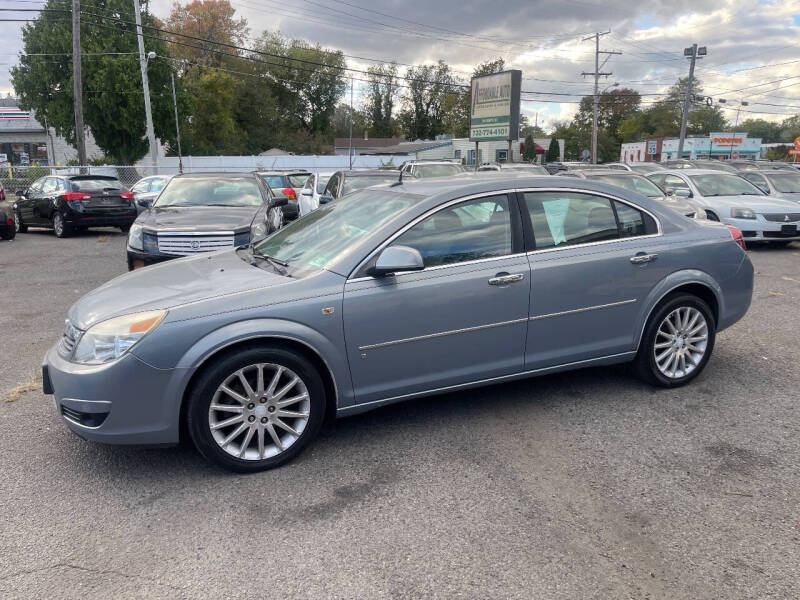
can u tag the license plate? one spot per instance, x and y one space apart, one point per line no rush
108 201
789 229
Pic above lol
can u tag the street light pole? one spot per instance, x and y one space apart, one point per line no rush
151 136
77 86
597 74
693 54
177 126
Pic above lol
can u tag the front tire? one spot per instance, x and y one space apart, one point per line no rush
256 409
677 342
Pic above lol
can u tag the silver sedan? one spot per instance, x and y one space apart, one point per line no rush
390 293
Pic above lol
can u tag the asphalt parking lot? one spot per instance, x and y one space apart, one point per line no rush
580 485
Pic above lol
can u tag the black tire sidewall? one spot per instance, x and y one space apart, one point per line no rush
203 391
645 360
18 224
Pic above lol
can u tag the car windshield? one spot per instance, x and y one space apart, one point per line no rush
788 183
437 170
308 244
210 191
633 183
715 165
95 185
322 181
723 184
352 184
298 180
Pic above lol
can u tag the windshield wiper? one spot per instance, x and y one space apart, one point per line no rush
276 263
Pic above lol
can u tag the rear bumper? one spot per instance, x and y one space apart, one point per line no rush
77 219
122 402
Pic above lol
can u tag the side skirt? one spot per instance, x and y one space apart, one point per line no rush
592 362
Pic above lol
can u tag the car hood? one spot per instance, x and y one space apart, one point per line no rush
198 218
760 204
677 203
793 196
173 283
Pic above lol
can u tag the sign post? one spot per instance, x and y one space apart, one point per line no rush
494 110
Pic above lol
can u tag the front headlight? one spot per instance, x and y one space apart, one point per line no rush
700 213
742 213
110 339
135 237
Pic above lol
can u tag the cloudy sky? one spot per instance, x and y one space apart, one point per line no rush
753 45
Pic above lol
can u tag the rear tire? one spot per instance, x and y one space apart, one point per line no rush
18 224
61 228
125 228
254 440
10 234
677 342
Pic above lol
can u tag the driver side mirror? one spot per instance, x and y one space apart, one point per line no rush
325 199
145 203
396 259
20 193
679 192
306 192
276 202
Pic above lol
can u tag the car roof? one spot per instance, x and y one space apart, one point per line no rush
220 174
370 173
694 172
616 172
283 172
80 177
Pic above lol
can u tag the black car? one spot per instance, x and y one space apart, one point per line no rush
69 203
344 182
203 212
7 228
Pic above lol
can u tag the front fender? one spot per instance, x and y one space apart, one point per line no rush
217 340
670 283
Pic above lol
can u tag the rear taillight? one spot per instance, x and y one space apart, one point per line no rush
737 236
9 221
289 193
2 195
126 195
75 196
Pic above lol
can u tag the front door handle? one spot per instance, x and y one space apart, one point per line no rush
505 278
642 258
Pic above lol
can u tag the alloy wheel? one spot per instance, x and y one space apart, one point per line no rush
681 342
259 411
16 221
58 224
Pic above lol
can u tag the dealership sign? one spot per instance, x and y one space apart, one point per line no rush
494 111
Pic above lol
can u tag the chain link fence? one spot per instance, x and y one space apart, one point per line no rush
20 178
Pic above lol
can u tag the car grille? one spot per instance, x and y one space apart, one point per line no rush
69 339
182 244
782 217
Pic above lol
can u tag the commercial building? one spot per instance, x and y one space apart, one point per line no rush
26 142
716 146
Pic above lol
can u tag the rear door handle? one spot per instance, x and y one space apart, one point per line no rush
643 258
505 278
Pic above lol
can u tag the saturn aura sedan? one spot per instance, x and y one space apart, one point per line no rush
735 201
391 293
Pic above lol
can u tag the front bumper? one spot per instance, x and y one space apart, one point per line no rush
123 402
138 259
761 230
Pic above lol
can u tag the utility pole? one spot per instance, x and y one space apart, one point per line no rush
151 136
693 54
177 127
77 85
597 74
350 146
735 124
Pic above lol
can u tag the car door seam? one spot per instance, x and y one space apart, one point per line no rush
440 334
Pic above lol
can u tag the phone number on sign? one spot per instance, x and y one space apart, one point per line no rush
490 132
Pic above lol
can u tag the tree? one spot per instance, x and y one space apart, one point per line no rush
422 116
341 121
530 149
213 128
113 105
768 131
208 20
553 150
383 90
